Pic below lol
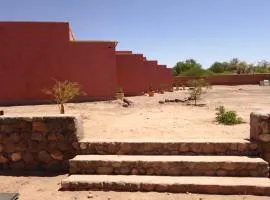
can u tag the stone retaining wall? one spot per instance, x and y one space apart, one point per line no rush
260 132
38 142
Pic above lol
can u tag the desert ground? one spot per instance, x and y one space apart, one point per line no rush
146 119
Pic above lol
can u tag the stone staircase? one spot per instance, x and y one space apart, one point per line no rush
195 166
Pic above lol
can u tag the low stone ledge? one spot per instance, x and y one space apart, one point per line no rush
38 142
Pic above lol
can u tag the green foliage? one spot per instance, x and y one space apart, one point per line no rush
63 92
199 72
236 66
196 90
184 66
219 67
227 117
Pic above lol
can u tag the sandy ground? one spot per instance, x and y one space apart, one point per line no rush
145 120
148 119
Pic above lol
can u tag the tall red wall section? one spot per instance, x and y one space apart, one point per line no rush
251 79
162 76
154 74
93 65
31 54
169 77
130 69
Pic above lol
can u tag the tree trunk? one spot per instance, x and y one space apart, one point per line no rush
195 99
62 109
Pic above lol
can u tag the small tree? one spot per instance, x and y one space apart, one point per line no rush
63 92
196 89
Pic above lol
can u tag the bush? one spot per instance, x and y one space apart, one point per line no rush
63 92
196 90
196 71
227 117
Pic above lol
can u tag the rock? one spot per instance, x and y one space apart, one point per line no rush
183 148
28 158
150 171
104 170
39 126
264 127
125 105
161 102
44 156
83 146
125 100
264 137
221 173
14 137
57 155
134 171
230 166
253 146
124 170
16 156
3 159
90 196
37 136
75 145
208 148
52 137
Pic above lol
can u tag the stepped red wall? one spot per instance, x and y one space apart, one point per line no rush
130 73
33 53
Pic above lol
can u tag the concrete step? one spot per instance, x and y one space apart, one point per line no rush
169 165
169 147
206 185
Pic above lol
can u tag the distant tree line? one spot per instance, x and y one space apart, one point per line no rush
191 67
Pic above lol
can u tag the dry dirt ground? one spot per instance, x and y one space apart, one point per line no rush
146 119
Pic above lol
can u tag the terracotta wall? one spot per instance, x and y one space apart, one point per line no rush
31 54
130 73
169 77
226 79
93 65
154 74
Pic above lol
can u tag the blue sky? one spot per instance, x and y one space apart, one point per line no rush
166 30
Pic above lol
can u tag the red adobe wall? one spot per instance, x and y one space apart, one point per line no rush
130 69
154 74
93 65
29 58
169 77
226 79
32 53
162 76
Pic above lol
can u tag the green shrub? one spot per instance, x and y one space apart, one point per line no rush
227 117
196 71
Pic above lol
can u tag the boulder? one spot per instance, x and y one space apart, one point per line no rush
161 102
